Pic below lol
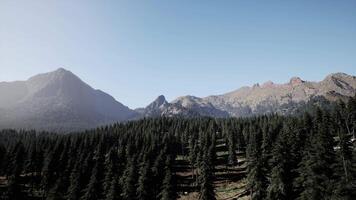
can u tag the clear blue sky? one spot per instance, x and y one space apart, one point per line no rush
137 50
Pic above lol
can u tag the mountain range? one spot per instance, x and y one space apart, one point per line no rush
60 101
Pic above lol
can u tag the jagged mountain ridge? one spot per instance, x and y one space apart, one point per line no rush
273 98
155 108
60 101
161 107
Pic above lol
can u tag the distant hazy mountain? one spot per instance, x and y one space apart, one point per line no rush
59 101
271 98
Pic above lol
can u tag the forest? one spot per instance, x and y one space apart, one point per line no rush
309 156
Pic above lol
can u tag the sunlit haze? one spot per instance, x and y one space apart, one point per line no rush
137 50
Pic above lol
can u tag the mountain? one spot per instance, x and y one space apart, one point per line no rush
58 101
155 108
188 106
269 97
160 107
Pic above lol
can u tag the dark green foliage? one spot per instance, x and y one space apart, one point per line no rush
144 184
74 184
14 189
280 186
316 168
94 188
232 150
288 157
2 159
257 180
167 191
114 191
129 180
206 180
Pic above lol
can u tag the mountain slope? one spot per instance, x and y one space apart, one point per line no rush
272 98
60 101
155 108
57 100
188 106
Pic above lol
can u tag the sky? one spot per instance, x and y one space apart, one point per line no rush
137 50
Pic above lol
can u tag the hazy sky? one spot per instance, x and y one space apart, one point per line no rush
137 50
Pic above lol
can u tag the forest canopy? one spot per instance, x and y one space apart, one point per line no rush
311 156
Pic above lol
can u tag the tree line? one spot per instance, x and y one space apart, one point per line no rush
309 156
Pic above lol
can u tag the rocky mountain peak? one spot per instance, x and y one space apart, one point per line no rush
60 82
294 81
159 101
58 100
61 100
268 84
61 70
60 74
256 85
338 75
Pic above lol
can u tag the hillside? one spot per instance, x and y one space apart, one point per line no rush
58 101
269 97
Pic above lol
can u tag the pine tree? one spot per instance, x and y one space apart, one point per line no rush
92 192
111 161
56 192
75 177
114 191
14 188
344 168
351 117
128 180
206 180
256 177
167 190
157 173
16 164
2 159
280 186
232 150
316 168
17 160
94 188
143 189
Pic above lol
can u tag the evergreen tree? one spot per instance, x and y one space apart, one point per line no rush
56 192
14 188
94 188
316 169
128 180
2 159
114 191
167 191
136 159
281 177
232 150
111 161
206 180
74 188
256 178
143 189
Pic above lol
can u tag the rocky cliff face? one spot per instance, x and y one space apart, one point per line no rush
187 107
155 108
270 97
